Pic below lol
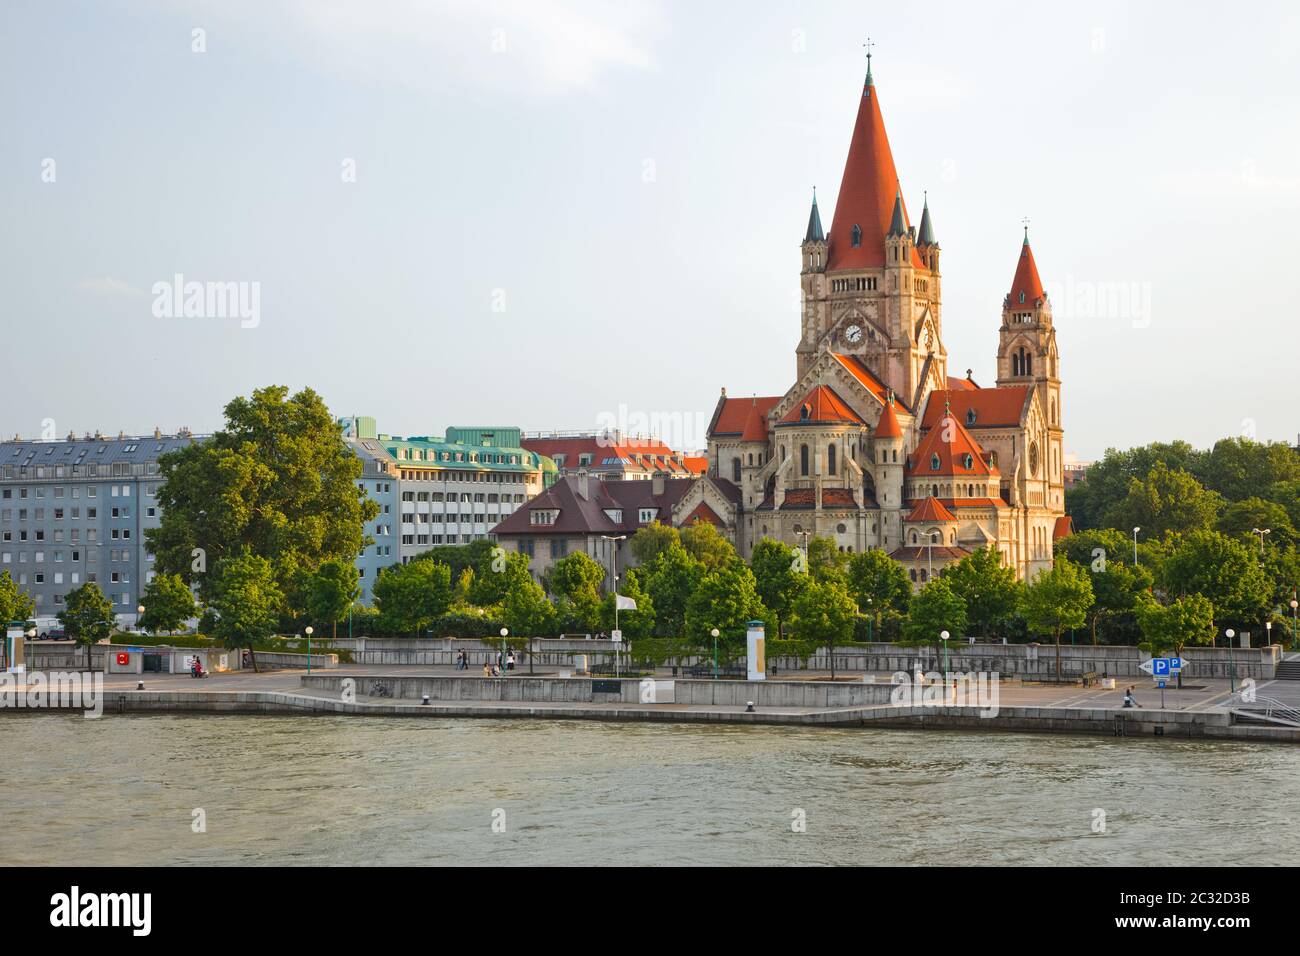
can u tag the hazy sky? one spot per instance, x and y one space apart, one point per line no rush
555 214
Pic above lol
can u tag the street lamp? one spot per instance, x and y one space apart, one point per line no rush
1261 533
505 632
1135 546
1294 604
1232 666
944 636
1268 628
614 571
308 631
714 632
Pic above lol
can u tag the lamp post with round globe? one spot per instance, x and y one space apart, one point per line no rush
1294 605
944 635
714 634
1135 546
1232 665
308 631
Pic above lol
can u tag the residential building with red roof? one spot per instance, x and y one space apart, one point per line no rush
875 445
612 455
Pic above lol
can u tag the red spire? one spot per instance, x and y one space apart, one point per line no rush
1026 287
888 426
755 426
867 192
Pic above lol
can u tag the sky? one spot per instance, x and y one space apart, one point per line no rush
562 215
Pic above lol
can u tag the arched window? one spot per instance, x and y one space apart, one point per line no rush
803 460
1015 364
970 416
1029 364
857 235
923 575
830 459
912 574
913 537
934 462
735 470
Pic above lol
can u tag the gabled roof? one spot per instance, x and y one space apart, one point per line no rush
866 377
952 448
1026 280
961 384
730 416
930 509
867 193
1063 529
821 405
703 512
578 515
994 407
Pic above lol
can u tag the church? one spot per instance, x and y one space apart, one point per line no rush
876 445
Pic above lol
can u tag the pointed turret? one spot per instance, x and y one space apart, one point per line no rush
898 222
1026 287
925 235
888 426
814 233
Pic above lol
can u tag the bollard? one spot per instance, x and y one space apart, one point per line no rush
139 685
749 706
424 699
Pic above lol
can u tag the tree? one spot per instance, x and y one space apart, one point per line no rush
824 613
1241 468
1166 500
15 604
1057 599
332 592
1222 569
1087 548
634 624
87 616
934 609
651 541
1106 483
1116 589
411 596
575 582
670 580
826 562
277 482
527 613
168 603
728 600
1170 627
776 578
990 589
245 601
1241 518
879 584
1282 568
705 544
497 574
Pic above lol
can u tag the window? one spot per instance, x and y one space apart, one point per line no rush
934 462
803 460
970 416
857 237
735 470
830 459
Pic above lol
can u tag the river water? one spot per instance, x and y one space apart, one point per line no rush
368 791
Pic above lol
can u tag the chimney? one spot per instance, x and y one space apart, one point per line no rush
583 484
157 432
657 483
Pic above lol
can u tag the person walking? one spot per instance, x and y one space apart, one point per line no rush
1129 699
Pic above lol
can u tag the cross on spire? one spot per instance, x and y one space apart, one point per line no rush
867 46
1026 224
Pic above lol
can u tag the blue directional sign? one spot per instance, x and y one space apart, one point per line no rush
1160 667
1175 665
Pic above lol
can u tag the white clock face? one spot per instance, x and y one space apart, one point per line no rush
853 333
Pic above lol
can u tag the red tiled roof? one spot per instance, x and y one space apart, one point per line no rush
961 384
866 377
867 192
695 465
888 426
732 413
1026 280
1064 528
994 407
703 512
822 405
924 553
800 498
953 454
838 498
578 515
648 453
931 509
755 424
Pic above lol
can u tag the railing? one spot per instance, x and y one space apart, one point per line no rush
1273 710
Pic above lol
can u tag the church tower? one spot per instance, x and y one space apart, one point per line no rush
1027 339
871 286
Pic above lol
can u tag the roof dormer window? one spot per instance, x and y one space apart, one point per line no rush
970 416
968 462
934 462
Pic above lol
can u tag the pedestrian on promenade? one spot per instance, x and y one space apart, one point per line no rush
487 669
1129 699
510 661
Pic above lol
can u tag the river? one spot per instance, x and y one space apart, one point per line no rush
356 790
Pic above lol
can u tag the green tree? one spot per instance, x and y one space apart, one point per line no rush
1104 545
775 575
498 573
705 544
87 616
332 592
1241 518
168 603
1241 468
670 580
1106 483
15 603
1172 626
934 609
1057 599
1282 568
826 562
651 541
575 581
1166 500
245 601
277 482
824 613
1116 589
728 600
990 589
411 596
1225 571
879 584
527 613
